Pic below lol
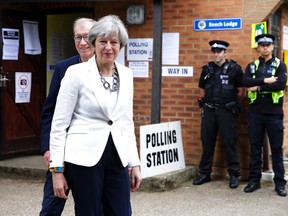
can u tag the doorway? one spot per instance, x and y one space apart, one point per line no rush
20 126
60 43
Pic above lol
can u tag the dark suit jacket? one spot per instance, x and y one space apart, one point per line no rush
50 102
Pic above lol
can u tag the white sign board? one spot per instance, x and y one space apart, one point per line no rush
177 71
23 83
10 38
140 49
285 37
161 148
170 48
139 69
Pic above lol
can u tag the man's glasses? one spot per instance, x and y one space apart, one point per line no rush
78 38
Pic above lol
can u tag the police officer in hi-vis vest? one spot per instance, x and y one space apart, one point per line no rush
266 81
219 81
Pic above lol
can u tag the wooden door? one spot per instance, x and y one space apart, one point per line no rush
20 122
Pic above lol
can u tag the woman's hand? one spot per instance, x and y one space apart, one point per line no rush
135 178
59 185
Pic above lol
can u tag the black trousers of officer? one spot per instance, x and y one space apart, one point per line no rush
273 124
224 121
103 189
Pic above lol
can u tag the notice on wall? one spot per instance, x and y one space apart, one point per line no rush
140 49
139 69
121 56
170 49
161 148
285 37
23 84
10 38
31 38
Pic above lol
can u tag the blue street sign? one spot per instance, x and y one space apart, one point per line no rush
217 24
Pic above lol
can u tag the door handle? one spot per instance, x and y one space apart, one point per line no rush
3 80
3 77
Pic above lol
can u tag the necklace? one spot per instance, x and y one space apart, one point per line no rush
115 81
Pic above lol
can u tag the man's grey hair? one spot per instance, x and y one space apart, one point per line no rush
82 20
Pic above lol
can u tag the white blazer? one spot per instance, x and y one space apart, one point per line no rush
81 123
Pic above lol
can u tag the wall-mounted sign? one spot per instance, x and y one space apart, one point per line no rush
177 71
217 24
257 29
23 83
140 49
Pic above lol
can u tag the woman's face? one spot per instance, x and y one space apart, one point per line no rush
107 49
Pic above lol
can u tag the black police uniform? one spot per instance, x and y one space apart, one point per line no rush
266 115
221 87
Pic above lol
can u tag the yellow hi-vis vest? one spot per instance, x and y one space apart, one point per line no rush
252 95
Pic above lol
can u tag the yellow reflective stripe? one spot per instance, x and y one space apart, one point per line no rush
252 95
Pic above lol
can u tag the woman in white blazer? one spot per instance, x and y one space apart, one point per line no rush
93 135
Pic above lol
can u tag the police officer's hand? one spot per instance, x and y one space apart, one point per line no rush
270 80
253 88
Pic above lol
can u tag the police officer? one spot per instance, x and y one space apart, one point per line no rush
220 80
266 80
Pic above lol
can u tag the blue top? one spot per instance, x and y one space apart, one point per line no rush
50 102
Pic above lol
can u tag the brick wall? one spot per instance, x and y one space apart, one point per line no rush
179 94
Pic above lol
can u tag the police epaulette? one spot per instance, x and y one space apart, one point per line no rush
207 65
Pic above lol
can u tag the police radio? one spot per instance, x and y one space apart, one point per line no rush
252 68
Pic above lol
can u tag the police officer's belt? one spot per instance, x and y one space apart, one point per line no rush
214 106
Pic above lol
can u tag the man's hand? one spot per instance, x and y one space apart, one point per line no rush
135 178
253 88
270 80
47 158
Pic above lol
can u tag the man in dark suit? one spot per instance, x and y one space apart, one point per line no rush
52 205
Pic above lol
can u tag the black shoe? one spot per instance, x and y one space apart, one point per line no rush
252 186
280 189
201 179
233 183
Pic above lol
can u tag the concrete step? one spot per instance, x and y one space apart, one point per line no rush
34 167
269 175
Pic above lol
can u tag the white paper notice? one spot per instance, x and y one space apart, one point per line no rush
10 38
121 56
139 69
31 38
285 37
23 84
170 49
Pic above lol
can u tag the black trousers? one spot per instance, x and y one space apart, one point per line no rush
103 189
51 205
224 121
273 124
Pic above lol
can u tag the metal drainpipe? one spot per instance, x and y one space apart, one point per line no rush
157 63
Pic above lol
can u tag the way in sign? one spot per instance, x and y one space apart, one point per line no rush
177 70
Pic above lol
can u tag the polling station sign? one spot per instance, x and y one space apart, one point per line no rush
161 148
217 24
140 49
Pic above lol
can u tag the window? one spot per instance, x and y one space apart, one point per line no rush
275 30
